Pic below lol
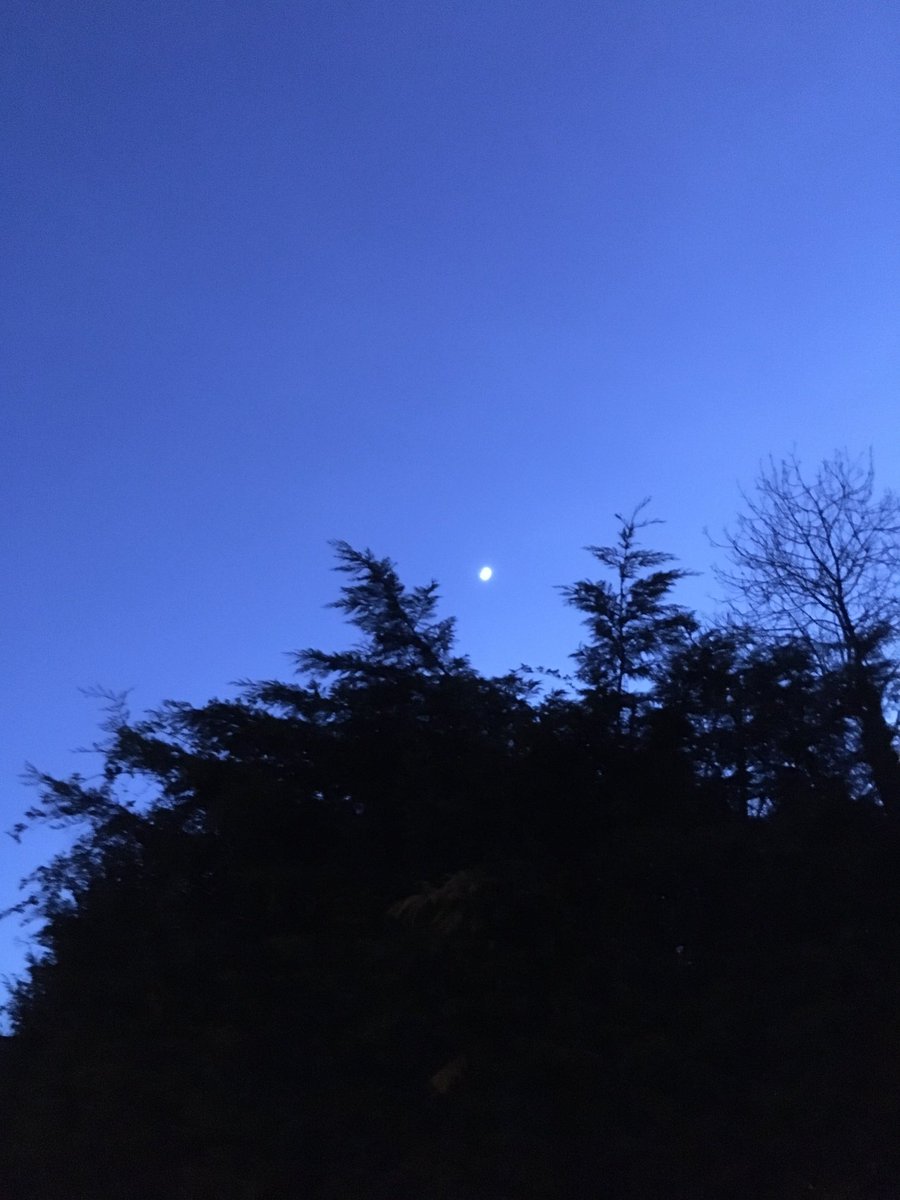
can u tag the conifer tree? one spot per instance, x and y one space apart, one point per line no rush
634 625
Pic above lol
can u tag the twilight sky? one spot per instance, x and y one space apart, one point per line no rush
455 280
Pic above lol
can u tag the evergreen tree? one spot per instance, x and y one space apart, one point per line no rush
634 626
395 931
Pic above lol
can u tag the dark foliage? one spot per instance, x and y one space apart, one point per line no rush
397 931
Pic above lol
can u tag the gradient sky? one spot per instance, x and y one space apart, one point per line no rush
455 280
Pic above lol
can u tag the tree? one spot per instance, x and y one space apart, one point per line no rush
360 937
634 626
819 560
433 740
762 728
402 632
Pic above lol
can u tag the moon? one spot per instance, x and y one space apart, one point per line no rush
485 573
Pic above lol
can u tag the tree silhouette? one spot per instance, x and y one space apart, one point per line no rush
819 559
633 624
397 931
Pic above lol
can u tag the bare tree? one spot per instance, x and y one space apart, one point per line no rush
818 559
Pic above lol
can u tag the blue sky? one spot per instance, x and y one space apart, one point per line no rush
453 280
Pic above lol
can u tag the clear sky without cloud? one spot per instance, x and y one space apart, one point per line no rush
452 280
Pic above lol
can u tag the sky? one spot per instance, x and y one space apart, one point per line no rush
455 280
